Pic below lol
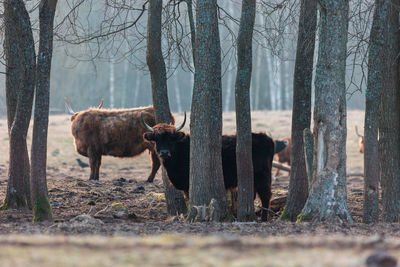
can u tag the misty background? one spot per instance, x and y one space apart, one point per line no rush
87 68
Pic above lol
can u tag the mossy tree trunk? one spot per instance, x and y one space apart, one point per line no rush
376 61
301 116
155 61
41 205
19 30
244 162
389 123
327 200
206 178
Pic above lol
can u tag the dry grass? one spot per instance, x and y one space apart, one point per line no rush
187 250
276 123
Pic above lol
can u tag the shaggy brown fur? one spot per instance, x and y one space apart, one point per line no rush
284 155
115 132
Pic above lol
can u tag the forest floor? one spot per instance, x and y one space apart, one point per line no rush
146 235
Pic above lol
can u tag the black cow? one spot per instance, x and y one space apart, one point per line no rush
173 147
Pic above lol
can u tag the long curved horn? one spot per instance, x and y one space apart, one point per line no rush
145 124
359 135
101 104
183 123
69 106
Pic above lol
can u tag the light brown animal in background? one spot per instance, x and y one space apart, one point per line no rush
284 155
360 141
115 132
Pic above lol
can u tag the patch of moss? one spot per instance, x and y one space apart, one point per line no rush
285 215
304 218
42 209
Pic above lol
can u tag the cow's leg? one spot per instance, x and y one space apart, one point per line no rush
94 162
155 165
262 184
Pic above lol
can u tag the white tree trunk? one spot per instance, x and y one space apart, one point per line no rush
137 89
177 93
111 84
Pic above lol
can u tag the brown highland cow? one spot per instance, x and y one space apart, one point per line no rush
114 132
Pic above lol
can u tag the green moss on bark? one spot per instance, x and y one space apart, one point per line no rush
285 215
304 218
42 210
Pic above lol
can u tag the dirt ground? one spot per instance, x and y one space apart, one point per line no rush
123 181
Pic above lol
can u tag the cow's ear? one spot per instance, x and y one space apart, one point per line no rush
180 135
148 136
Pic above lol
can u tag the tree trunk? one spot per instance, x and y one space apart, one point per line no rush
155 61
371 123
18 188
112 82
177 92
328 198
283 82
244 162
189 4
389 118
41 205
301 116
206 178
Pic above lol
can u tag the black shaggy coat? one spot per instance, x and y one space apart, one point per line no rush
177 165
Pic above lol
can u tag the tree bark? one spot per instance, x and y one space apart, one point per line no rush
301 116
389 122
371 124
244 162
206 178
328 198
189 4
41 205
155 61
18 188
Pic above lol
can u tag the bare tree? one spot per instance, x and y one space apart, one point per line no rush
389 131
328 198
175 202
244 162
206 178
19 30
376 62
41 205
301 116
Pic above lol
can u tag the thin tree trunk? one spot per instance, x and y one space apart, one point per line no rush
41 205
206 178
189 4
244 162
126 88
371 123
177 93
18 188
112 82
155 61
283 83
258 91
389 122
137 89
301 116
328 198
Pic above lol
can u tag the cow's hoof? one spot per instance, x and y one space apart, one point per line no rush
150 180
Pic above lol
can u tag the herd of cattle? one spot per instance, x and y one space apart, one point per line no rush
129 132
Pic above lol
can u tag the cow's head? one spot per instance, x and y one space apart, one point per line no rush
360 141
165 136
